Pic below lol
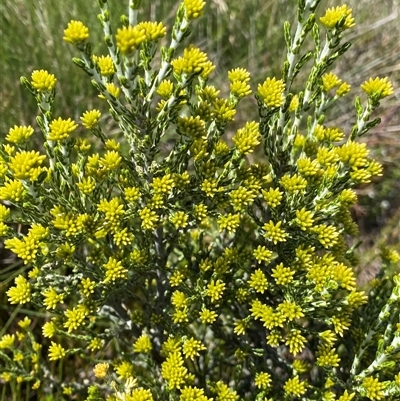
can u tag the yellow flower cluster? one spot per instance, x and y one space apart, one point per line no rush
21 293
274 232
75 317
229 222
293 183
90 118
241 198
193 8
129 38
295 387
295 341
177 246
193 61
224 110
19 134
76 32
238 79
149 218
61 129
153 30
52 298
247 138
43 81
113 210
56 351
28 247
271 91
27 165
179 219
215 289
143 344
273 197
163 185
373 388
258 281
378 87
189 393
331 81
192 127
114 270
335 15
173 371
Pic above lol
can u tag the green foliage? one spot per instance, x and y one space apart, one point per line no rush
176 266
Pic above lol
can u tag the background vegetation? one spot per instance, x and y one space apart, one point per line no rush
234 33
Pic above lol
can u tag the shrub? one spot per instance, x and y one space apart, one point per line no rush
173 266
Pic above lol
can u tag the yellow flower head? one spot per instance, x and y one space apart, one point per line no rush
258 281
90 118
7 341
21 293
100 370
52 298
378 87
229 222
207 316
143 344
105 64
43 81
335 14
192 347
194 8
373 388
114 270
111 160
192 127
215 290
75 317
283 276
274 232
76 32
19 134
129 38
193 61
60 129
246 139
112 89
12 190
294 103
153 30
56 351
173 371
271 91
140 394
238 74
26 165
4 213
295 341
295 386
330 81
263 380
